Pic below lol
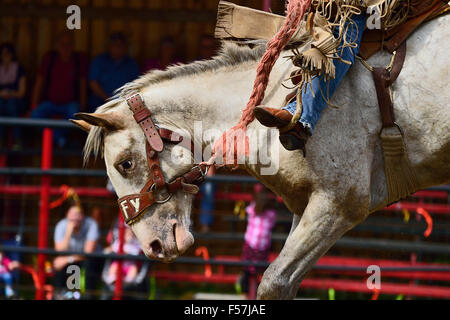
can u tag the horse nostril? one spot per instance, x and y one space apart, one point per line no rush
156 247
174 232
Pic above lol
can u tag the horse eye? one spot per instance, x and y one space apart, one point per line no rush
126 165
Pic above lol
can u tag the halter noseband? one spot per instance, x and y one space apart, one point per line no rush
156 190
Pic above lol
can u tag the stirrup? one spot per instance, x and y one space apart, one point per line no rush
291 142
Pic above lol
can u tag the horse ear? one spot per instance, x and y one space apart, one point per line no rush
109 120
83 125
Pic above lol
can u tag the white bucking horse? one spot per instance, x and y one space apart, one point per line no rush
339 183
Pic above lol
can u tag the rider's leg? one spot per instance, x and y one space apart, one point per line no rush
313 104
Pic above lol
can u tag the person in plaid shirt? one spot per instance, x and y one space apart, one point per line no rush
258 236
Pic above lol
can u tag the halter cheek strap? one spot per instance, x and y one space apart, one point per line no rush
143 117
156 190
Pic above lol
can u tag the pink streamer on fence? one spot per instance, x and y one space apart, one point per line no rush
227 145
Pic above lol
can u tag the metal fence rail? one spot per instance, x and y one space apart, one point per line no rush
201 261
102 173
47 171
36 123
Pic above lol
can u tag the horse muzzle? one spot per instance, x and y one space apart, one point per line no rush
167 243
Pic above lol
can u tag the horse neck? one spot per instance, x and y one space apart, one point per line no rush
215 100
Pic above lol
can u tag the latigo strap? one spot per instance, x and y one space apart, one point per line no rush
383 80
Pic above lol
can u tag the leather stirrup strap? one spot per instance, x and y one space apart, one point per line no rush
383 80
398 63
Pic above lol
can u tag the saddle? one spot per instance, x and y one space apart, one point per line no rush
420 12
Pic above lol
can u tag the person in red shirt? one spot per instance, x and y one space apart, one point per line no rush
207 47
61 85
167 56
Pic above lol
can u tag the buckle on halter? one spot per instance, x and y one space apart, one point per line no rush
169 195
203 173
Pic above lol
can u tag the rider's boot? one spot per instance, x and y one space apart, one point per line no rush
293 139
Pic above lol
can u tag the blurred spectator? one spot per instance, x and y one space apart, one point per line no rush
208 190
207 47
79 234
258 236
97 215
12 88
111 70
6 266
134 272
113 233
167 56
129 267
61 84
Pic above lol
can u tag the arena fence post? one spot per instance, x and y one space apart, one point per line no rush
252 286
266 5
3 164
118 289
46 163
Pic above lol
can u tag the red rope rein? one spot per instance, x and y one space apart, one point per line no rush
227 145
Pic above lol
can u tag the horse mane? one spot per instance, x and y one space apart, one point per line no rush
230 54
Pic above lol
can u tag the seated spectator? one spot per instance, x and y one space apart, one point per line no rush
111 70
207 47
258 235
12 88
79 234
167 56
129 267
61 86
6 266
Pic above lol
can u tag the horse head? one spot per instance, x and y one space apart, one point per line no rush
163 227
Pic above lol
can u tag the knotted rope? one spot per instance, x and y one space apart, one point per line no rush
226 146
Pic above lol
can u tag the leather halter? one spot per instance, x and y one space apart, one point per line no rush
156 190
